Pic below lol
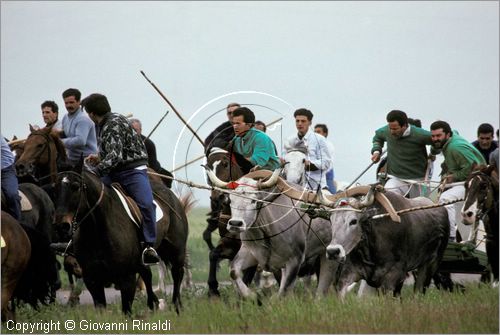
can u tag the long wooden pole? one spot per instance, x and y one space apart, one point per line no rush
173 108
364 171
157 124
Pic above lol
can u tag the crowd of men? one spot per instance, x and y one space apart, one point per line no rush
115 147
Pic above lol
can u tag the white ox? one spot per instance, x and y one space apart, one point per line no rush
274 234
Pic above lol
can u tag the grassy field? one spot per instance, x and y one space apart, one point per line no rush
474 311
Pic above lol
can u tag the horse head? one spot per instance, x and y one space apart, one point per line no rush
78 192
294 169
40 152
480 191
222 164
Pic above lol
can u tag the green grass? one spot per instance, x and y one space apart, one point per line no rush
475 311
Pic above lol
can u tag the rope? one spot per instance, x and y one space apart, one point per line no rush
403 211
222 190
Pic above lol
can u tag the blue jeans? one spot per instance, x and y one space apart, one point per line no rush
10 189
329 181
136 184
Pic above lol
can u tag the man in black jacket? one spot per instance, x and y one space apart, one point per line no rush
224 133
122 158
151 149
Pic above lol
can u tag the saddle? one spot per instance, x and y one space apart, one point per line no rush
25 203
131 207
129 204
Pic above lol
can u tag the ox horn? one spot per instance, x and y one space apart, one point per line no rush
214 179
325 201
271 181
369 198
386 203
366 201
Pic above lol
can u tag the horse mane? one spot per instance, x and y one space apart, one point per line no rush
61 150
488 170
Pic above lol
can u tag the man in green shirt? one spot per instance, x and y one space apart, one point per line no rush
459 158
253 145
406 152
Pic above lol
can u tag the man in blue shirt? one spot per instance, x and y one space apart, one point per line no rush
78 133
255 147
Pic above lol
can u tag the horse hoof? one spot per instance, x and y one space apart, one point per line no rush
213 293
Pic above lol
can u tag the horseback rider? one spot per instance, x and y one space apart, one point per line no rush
10 185
254 147
318 160
222 135
78 132
459 159
122 158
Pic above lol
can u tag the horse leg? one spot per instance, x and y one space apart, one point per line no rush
214 259
96 290
127 291
177 272
147 277
188 279
492 245
213 224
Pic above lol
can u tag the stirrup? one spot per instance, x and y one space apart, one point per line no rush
143 254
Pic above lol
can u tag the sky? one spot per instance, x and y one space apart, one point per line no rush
349 62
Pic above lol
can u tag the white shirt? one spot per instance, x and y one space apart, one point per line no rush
318 154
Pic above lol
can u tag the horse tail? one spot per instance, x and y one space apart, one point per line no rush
41 273
187 201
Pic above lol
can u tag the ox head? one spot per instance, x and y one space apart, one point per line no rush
346 222
295 157
479 195
245 198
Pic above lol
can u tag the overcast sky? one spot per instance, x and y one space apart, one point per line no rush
350 63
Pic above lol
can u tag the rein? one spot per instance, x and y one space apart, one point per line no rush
486 203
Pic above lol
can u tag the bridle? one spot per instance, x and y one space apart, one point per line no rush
75 223
484 204
46 145
303 175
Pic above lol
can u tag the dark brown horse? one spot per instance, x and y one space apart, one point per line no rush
106 241
37 160
39 156
481 203
226 168
15 256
